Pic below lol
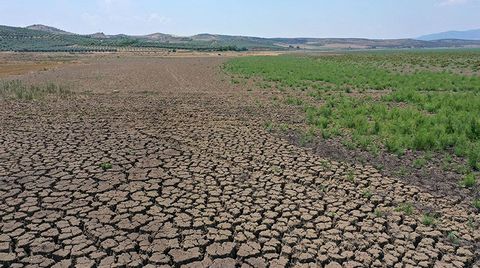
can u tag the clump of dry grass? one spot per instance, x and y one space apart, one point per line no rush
16 89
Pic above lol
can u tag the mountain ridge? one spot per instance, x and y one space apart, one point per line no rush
40 37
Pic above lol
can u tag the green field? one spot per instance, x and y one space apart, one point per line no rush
394 101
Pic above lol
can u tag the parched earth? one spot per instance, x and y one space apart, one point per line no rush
196 181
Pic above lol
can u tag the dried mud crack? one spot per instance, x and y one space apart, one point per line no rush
196 183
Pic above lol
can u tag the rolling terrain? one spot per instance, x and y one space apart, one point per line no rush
44 38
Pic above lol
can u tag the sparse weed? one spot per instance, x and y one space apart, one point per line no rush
476 204
367 193
406 208
106 166
471 223
321 188
452 237
428 220
269 126
307 137
294 101
284 127
378 213
402 171
276 169
379 167
350 175
419 163
348 144
332 214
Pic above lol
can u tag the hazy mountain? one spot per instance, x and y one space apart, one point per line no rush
463 35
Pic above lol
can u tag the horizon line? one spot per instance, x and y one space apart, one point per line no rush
238 35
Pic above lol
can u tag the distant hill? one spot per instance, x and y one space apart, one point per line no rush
463 35
98 36
159 37
48 29
45 38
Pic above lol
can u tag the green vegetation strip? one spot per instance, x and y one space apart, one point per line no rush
428 110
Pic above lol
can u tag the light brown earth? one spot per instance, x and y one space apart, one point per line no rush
197 181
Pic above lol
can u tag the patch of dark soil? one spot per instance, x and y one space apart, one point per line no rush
432 176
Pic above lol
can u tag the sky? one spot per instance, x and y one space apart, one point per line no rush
264 18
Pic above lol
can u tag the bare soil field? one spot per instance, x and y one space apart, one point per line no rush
17 64
163 162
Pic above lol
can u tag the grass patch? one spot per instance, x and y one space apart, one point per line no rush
469 181
419 163
16 89
294 101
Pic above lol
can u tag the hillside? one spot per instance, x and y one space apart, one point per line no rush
46 38
44 28
24 39
464 35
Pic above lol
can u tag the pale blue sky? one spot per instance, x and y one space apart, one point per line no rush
268 18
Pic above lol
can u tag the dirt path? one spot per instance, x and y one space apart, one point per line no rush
197 182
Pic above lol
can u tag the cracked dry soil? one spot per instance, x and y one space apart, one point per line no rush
196 182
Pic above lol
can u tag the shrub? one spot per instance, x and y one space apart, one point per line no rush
106 166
